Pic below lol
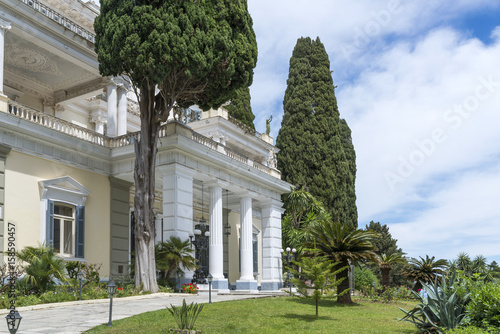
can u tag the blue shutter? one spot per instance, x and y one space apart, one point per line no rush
255 257
80 231
49 224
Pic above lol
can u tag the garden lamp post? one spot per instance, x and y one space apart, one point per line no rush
289 255
13 321
210 278
111 291
80 279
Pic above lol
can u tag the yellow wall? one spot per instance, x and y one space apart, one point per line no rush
23 203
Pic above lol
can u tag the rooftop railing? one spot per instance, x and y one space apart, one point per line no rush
91 136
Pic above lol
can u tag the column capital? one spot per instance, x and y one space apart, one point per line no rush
272 204
4 25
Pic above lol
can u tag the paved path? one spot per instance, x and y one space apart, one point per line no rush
76 317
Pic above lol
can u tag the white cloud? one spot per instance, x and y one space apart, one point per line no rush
401 85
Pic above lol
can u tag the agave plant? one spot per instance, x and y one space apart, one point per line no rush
441 309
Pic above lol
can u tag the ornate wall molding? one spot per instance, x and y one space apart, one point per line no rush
29 59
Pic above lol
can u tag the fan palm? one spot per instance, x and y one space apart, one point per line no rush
385 265
425 270
344 244
42 266
174 255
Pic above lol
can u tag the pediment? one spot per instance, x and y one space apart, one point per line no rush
65 189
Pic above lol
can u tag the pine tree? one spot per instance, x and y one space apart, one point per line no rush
240 107
316 152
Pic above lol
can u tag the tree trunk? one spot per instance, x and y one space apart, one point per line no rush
144 176
386 278
345 298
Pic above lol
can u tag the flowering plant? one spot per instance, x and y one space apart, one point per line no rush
189 288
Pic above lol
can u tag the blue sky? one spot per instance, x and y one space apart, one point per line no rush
419 85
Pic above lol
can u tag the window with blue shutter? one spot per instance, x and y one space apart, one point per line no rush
65 230
49 239
79 231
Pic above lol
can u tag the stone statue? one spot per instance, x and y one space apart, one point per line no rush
268 125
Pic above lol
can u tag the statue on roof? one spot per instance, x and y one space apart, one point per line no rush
268 125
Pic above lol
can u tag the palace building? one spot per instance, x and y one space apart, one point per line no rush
67 159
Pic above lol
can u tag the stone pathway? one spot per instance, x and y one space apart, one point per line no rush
79 316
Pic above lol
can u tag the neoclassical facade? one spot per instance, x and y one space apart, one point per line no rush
67 159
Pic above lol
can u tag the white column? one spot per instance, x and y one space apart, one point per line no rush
177 201
178 204
122 111
4 25
215 248
271 246
112 110
246 281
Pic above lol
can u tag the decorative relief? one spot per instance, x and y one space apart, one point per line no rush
72 9
271 159
133 107
29 59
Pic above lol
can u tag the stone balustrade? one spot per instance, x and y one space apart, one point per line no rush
166 129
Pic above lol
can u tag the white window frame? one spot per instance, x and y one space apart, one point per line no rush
64 190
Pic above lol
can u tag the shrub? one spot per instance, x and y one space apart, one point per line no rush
467 330
90 271
484 307
189 288
363 280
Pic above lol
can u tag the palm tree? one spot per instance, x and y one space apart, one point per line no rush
174 255
42 266
464 263
302 210
425 270
345 244
385 265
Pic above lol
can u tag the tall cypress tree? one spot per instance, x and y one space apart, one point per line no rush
240 107
316 152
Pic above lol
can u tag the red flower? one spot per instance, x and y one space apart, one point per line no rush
120 288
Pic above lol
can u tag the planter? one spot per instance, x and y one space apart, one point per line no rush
185 331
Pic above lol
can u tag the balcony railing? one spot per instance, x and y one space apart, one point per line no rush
61 19
91 136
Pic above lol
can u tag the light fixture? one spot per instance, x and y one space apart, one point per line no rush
227 227
210 279
13 321
111 291
80 279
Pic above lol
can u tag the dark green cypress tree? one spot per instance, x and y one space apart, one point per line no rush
240 107
315 146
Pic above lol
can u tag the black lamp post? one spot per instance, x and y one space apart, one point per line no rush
200 242
111 291
210 278
289 255
13 321
80 279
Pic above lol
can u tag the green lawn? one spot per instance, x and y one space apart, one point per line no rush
276 315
